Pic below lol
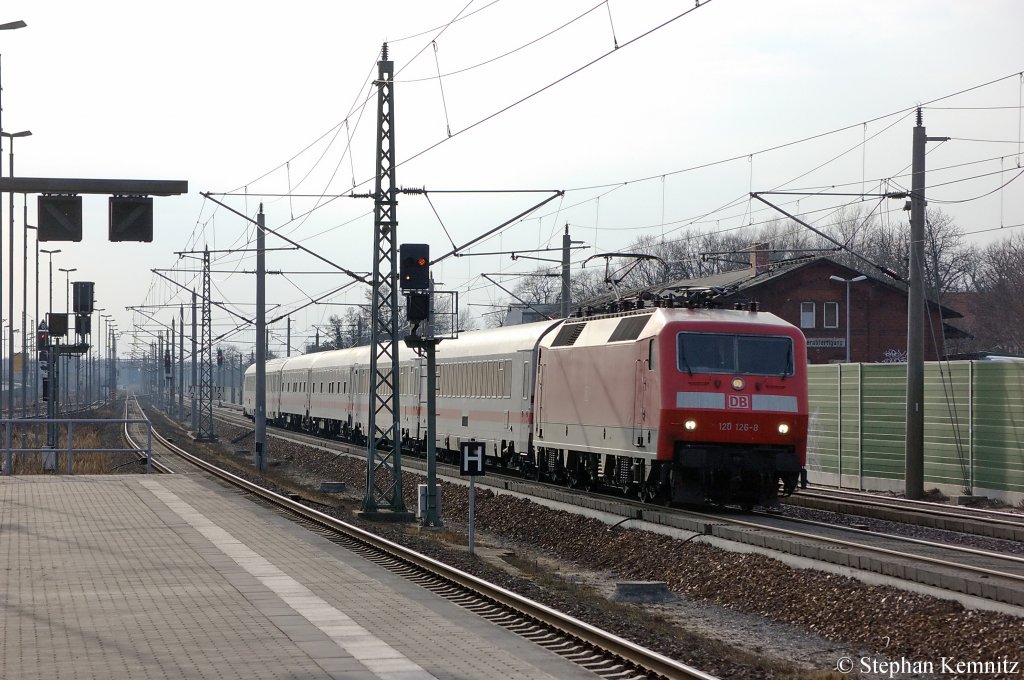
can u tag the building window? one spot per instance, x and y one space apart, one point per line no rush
831 315
806 315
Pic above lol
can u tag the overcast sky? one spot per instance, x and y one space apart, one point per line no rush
273 102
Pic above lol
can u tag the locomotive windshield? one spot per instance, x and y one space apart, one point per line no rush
726 353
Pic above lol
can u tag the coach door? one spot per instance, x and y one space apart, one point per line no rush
639 403
538 391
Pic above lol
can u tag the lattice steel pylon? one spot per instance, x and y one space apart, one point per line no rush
204 429
383 453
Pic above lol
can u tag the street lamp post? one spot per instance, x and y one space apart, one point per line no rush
856 279
67 312
104 356
24 306
94 356
9 26
35 377
10 285
51 253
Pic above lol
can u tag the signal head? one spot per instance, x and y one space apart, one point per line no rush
414 266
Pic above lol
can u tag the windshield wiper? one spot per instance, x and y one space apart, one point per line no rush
788 366
682 355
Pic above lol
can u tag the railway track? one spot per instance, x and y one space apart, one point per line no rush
995 573
603 653
967 520
137 436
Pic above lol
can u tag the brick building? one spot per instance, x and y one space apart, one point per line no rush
804 294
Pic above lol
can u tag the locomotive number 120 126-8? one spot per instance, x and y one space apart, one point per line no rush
737 427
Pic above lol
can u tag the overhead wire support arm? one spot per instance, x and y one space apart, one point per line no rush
860 194
556 193
357 277
290 312
184 288
842 246
521 300
231 251
531 250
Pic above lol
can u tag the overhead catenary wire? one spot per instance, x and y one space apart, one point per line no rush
519 48
596 227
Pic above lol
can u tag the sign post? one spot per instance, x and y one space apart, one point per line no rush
472 465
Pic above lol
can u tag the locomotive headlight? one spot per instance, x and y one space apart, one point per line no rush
783 428
690 425
738 384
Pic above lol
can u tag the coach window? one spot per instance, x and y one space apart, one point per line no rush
830 315
806 315
526 378
650 355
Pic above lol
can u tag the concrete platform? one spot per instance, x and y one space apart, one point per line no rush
135 576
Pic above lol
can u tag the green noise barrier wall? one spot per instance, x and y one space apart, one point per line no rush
973 426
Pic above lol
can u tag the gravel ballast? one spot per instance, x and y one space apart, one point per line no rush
735 615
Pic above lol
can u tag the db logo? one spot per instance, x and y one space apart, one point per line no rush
738 401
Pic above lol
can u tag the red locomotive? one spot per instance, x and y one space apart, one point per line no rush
680 405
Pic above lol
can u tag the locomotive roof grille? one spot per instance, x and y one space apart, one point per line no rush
629 328
568 334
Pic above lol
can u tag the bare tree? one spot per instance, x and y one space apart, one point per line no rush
999 309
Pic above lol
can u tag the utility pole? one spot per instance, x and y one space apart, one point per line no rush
384 448
260 415
915 318
181 362
205 430
192 391
566 298
159 371
170 370
288 338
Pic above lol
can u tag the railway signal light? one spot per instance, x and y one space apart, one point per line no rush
220 357
414 266
417 308
167 363
82 296
42 339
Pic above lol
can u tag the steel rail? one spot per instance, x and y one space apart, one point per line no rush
909 539
909 505
630 652
718 519
138 448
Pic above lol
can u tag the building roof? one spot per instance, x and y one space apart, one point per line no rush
740 282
